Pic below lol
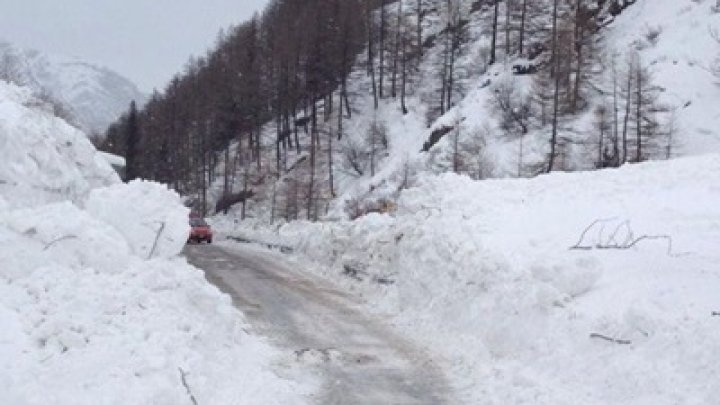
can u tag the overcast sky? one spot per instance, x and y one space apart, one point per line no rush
145 40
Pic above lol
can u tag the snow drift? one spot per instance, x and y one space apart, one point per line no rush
96 306
44 158
483 272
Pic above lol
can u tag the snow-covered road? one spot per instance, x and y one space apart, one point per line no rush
359 360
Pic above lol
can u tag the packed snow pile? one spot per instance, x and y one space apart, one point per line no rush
141 216
43 158
590 288
96 306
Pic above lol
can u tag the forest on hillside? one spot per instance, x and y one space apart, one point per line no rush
270 68
289 69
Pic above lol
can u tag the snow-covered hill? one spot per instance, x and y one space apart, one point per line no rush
95 96
680 42
96 306
673 42
584 288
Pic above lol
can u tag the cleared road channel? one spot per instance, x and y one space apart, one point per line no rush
359 360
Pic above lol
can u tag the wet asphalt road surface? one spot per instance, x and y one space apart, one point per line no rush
359 360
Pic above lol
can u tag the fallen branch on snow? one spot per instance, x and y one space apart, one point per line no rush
611 242
610 339
183 378
157 238
585 231
716 313
66 237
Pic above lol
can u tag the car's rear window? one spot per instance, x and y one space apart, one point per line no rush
197 222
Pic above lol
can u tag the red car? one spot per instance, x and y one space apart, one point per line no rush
200 231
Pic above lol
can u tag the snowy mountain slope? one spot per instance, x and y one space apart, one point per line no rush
96 306
682 60
674 41
95 96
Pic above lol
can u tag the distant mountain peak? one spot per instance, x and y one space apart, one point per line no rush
93 95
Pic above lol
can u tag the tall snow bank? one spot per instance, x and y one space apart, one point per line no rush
150 217
43 157
483 272
96 307
59 233
85 321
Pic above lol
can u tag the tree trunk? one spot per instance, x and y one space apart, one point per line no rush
493 43
451 66
371 57
381 51
396 51
373 147
556 93
579 38
418 28
311 183
444 72
520 155
523 16
638 112
616 119
508 23
403 84
258 157
627 116
278 143
246 177
456 148
273 203
226 175
348 110
601 144
203 164
331 179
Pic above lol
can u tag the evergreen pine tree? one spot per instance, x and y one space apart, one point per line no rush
132 136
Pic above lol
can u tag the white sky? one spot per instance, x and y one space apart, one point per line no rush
147 41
